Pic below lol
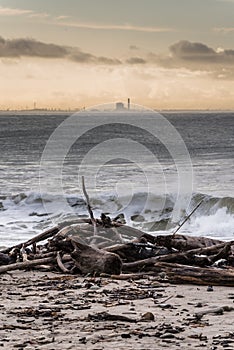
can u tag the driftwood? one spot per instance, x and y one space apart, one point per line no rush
106 247
215 311
69 253
41 237
93 220
26 264
60 264
181 242
176 273
5 259
137 250
187 217
128 276
105 316
95 261
194 257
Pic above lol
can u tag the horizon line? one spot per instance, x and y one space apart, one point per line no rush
56 109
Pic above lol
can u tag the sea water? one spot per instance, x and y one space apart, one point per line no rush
145 191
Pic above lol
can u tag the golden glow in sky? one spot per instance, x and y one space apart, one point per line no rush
164 54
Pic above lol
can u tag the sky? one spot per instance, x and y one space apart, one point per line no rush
163 54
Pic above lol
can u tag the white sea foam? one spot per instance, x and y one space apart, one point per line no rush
25 214
219 225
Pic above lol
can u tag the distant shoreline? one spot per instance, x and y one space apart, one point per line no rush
46 111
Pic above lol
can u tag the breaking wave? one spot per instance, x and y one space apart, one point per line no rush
24 214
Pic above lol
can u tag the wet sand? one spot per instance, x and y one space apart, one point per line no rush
41 310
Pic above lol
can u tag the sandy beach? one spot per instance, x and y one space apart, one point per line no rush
41 310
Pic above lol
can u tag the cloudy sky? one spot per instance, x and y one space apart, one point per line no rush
164 54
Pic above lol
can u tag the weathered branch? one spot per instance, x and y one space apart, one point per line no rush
216 311
187 217
129 276
182 274
184 257
60 263
25 264
41 237
94 223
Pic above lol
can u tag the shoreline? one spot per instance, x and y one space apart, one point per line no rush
57 311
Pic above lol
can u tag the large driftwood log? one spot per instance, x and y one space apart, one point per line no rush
95 261
26 264
181 242
181 274
110 235
200 256
189 257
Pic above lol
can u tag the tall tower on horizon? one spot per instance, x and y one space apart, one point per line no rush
129 105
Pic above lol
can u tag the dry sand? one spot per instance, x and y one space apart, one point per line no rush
41 310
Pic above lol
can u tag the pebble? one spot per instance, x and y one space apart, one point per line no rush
167 336
165 306
125 335
210 289
148 316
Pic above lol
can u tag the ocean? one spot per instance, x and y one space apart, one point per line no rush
152 168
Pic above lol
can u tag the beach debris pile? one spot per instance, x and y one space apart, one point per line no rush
123 252
108 248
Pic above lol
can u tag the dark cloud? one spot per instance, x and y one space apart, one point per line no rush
182 54
80 56
16 48
135 60
200 53
107 60
191 51
196 56
192 56
229 52
30 47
